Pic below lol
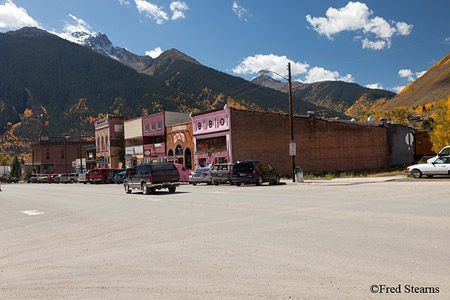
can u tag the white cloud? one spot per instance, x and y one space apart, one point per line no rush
253 64
178 8
124 2
399 88
152 11
377 45
356 16
317 74
447 41
409 74
242 13
420 74
403 28
406 73
154 53
278 64
158 14
13 17
374 86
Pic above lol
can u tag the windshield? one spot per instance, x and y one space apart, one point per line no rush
243 166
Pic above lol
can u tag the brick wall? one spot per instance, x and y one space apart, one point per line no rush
321 145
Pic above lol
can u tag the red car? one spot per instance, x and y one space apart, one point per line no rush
53 178
99 175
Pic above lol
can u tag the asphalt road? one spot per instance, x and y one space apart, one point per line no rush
309 241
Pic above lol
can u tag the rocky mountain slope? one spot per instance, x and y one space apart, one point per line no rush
433 86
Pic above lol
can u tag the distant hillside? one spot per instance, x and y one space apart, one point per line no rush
433 86
348 98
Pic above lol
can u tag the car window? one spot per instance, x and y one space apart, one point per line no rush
441 160
445 151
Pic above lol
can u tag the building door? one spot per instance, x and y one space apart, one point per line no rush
188 159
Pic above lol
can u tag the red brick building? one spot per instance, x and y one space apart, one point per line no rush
108 140
57 154
322 145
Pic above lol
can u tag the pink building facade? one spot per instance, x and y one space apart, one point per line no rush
212 138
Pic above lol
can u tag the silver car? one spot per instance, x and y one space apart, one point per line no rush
201 175
441 166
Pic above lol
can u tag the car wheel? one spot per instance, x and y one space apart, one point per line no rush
216 183
72 181
145 188
416 173
127 188
194 183
277 180
259 181
238 184
172 189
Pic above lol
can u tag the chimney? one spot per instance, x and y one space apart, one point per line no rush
310 114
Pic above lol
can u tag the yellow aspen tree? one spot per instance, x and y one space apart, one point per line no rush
440 136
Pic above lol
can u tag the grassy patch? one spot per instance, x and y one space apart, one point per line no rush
392 171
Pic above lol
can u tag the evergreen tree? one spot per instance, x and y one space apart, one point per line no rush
15 168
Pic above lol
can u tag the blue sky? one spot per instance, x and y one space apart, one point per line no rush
374 43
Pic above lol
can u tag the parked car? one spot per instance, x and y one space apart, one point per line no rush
42 178
69 178
201 175
9 179
34 178
254 171
221 173
100 175
441 166
112 174
182 172
120 177
444 152
53 178
151 177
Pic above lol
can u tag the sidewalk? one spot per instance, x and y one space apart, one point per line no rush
348 181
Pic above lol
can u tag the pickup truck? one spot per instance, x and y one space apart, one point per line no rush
151 177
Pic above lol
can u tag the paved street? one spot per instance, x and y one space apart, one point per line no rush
308 241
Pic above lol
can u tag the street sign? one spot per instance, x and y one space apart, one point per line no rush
409 139
292 148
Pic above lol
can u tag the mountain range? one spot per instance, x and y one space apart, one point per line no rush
47 80
348 98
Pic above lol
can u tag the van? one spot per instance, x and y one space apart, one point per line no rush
221 173
254 171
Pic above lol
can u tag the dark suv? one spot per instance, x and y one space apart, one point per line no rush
254 171
150 177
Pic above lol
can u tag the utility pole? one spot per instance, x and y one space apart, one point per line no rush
291 116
